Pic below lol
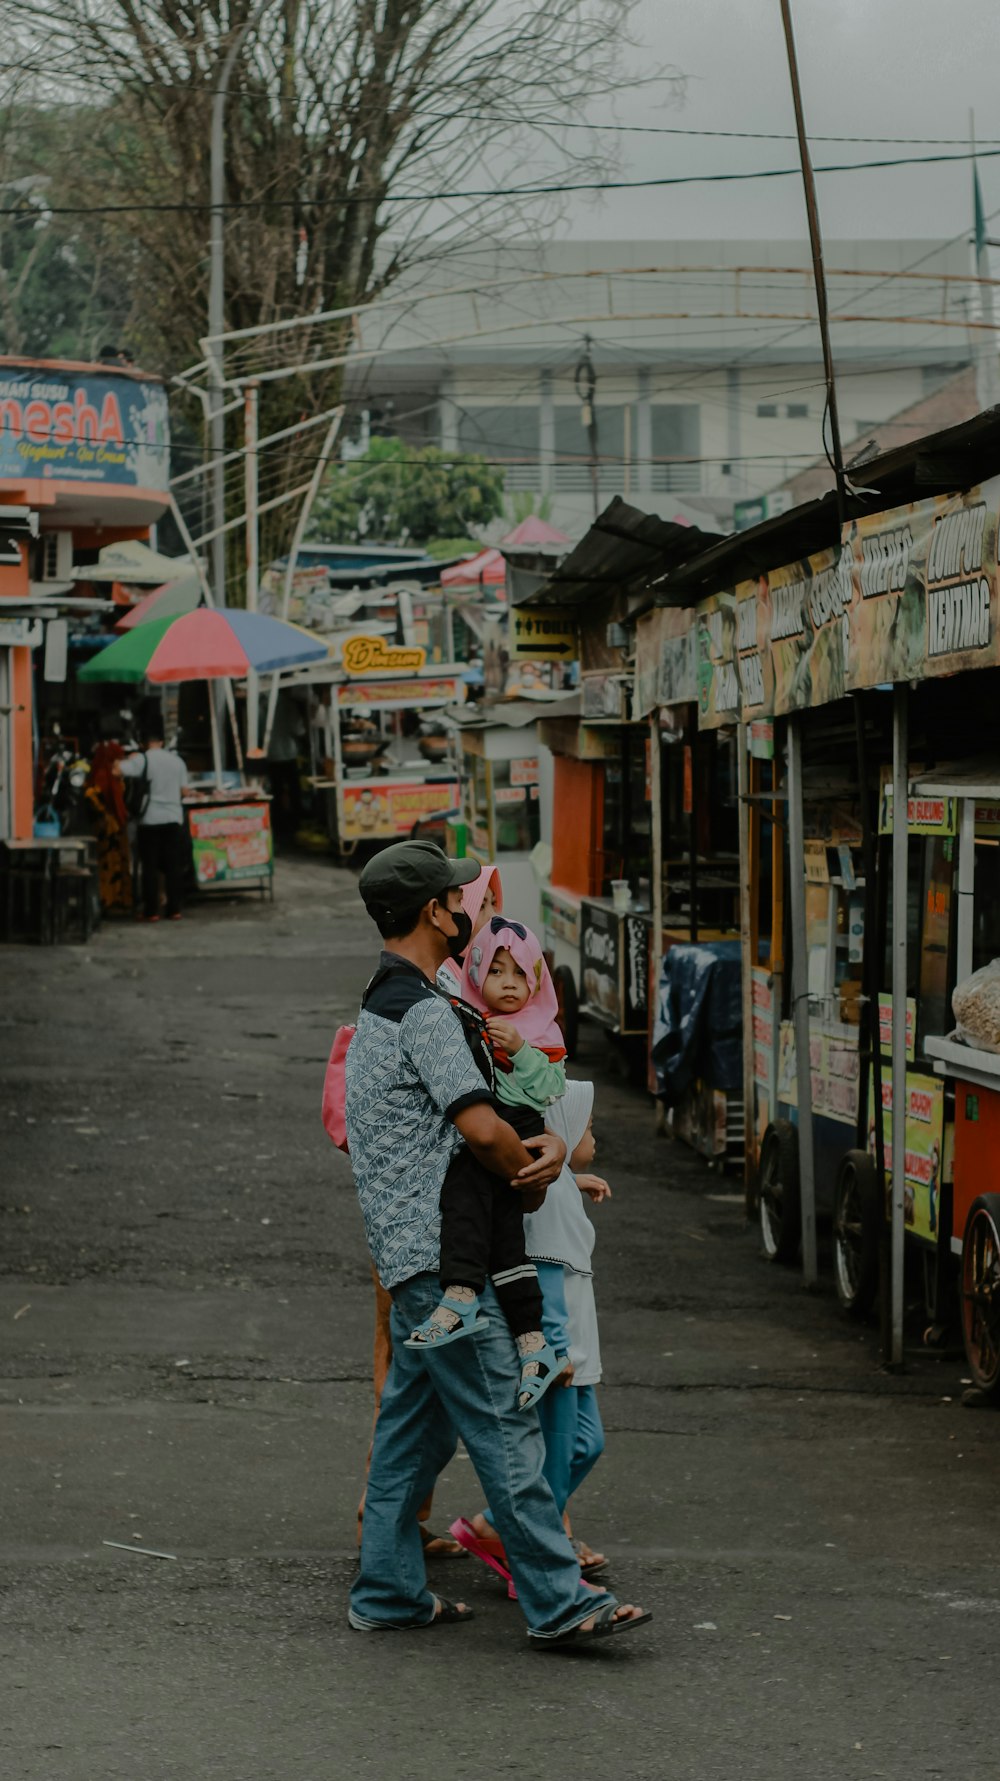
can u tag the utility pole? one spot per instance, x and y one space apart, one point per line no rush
586 384
251 480
819 275
217 305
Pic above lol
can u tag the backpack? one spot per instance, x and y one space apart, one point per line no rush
335 1088
137 792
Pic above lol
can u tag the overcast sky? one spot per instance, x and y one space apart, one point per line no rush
868 67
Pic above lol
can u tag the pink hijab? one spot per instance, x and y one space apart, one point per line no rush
536 1021
473 897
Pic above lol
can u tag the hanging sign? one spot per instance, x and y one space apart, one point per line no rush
542 636
373 655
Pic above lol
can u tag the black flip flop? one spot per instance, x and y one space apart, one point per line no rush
604 1625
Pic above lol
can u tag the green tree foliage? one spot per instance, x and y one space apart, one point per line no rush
400 495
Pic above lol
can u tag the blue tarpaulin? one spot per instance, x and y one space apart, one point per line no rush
698 1030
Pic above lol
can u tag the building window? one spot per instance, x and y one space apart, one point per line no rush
508 436
767 411
797 411
676 434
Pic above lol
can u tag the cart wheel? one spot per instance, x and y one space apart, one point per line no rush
981 1293
778 1193
568 1009
857 1213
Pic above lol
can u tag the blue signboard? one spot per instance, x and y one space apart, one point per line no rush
65 425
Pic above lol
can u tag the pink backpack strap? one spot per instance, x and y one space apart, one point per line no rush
335 1088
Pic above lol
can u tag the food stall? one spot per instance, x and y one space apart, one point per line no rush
384 759
232 848
862 655
507 793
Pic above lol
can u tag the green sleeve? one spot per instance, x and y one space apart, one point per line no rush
535 1079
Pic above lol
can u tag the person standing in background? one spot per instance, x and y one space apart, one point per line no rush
161 820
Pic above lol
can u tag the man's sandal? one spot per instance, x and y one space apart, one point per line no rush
432 1334
604 1625
445 1614
533 1386
437 1545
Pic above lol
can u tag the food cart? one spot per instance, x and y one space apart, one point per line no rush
232 847
385 763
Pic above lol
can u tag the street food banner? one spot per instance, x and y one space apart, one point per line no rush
922 1174
375 810
834 1071
908 594
230 843
402 695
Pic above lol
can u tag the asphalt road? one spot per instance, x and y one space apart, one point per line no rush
184 1366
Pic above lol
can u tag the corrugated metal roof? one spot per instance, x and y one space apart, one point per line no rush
624 550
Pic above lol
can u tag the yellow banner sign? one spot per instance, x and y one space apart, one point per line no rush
542 636
373 655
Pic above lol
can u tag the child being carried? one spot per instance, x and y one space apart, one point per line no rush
506 979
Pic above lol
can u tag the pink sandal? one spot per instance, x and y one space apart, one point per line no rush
486 1550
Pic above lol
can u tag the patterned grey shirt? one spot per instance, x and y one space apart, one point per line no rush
408 1071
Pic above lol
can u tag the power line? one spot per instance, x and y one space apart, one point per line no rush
189 207
111 84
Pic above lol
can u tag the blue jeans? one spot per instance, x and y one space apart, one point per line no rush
469 1389
574 1437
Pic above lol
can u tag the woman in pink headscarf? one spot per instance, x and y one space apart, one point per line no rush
480 899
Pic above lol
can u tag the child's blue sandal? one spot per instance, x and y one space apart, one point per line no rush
533 1386
431 1334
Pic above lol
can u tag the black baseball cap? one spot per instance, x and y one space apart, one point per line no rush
408 874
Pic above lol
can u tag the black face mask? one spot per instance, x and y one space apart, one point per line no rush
458 941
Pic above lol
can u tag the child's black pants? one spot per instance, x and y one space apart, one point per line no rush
482 1230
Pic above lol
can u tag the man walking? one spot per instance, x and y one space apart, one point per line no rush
161 820
414 1093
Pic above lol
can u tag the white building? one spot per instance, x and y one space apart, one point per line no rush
708 373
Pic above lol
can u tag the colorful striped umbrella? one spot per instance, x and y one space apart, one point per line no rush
168 601
214 643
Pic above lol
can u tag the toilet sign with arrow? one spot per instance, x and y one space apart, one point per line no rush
542 636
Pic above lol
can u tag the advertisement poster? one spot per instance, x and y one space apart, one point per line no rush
231 843
665 659
835 1071
908 595
83 426
718 679
924 1128
927 595
600 964
762 1001
885 1026
375 809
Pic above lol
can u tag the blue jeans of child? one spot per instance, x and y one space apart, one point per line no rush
468 1388
574 1437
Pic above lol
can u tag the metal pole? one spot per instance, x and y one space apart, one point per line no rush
217 307
746 955
900 838
307 507
819 275
272 706
251 403
800 999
